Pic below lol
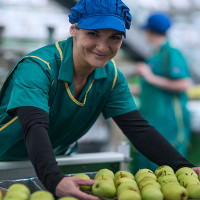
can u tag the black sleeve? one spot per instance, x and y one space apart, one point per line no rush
149 141
34 122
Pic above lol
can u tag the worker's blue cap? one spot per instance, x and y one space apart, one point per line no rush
101 14
158 22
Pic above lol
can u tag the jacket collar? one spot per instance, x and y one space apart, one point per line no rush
165 46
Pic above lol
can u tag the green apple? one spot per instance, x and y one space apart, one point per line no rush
148 181
187 180
16 195
168 181
171 184
122 174
123 187
151 193
163 170
128 183
180 176
104 188
104 173
129 195
118 182
106 179
145 175
167 178
155 185
83 187
173 191
193 191
68 198
165 173
41 195
142 171
184 170
18 191
19 187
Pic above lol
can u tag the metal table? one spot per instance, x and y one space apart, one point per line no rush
77 163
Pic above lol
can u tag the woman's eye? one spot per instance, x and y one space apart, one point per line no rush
93 34
116 37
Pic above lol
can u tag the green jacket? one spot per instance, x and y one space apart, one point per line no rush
166 110
44 79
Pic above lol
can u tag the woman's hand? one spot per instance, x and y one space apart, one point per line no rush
143 70
70 186
197 170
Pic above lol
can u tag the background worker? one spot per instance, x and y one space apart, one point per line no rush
53 96
166 79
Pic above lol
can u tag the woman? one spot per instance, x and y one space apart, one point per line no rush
166 79
56 93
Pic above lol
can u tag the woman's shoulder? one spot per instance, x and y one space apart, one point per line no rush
174 50
47 53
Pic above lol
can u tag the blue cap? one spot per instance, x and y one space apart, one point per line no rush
101 14
158 22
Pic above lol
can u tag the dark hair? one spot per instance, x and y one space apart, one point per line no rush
76 26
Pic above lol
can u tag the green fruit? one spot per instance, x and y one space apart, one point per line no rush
1 195
168 181
67 198
16 195
118 182
167 178
174 192
148 181
83 187
165 173
42 195
163 170
142 171
173 184
151 185
122 174
104 173
151 193
145 175
104 188
184 170
128 184
180 176
122 187
187 180
19 187
17 191
106 179
193 191
129 195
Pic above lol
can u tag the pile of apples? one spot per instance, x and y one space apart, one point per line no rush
163 184
20 191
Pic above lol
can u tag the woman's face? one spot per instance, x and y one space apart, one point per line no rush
95 48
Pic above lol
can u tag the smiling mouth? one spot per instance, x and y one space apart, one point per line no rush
99 55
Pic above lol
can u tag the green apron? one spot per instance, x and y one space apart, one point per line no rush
166 110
